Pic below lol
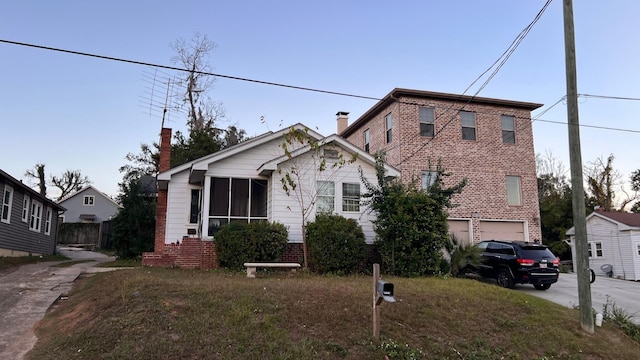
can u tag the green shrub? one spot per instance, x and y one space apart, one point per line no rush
462 256
336 244
237 243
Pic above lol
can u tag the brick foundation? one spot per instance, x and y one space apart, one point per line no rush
191 253
194 253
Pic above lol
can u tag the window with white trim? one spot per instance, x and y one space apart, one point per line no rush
25 209
36 216
468 120
595 247
514 195
427 118
428 178
88 200
7 200
388 121
508 129
47 223
350 197
325 202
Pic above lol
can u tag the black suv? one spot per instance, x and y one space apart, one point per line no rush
518 262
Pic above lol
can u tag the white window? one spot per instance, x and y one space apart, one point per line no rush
468 120
427 119
508 129
88 200
514 196
367 140
25 209
7 200
595 247
47 224
36 216
350 197
388 121
428 179
326 196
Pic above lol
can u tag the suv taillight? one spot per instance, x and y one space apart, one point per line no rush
556 261
526 262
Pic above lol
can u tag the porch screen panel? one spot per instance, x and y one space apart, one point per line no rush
240 197
219 200
258 198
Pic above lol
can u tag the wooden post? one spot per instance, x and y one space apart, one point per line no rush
376 309
575 160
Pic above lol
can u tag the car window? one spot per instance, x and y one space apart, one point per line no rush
494 248
483 246
508 250
537 252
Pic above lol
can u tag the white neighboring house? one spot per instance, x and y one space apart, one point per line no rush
243 183
614 239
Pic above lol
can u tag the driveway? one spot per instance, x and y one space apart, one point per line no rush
624 294
28 291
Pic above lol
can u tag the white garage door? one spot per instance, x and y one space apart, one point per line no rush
501 230
460 229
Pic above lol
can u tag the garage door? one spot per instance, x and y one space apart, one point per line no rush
501 230
460 229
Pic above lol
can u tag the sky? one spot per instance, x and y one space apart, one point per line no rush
75 112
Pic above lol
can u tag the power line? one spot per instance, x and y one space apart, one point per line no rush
502 59
536 118
185 70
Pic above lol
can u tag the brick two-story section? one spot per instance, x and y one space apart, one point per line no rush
488 141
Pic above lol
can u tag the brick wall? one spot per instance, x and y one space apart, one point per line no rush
485 162
191 253
161 204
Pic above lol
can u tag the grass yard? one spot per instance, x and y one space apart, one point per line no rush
149 313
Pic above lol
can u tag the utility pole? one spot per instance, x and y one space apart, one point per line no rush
575 160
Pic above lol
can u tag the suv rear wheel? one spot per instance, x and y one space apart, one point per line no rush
541 286
504 279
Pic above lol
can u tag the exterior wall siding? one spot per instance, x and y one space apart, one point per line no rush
485 162
16 239
286 209
103 209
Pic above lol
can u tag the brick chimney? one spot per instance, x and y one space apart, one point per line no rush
343 121
161 204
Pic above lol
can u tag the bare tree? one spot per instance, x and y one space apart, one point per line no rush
203 112
603 181
69 182
37 174
548 164
305 179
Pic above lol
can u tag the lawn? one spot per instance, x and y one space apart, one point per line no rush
149 313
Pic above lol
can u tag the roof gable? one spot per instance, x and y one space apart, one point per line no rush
84 189
199 166
329 140
624 221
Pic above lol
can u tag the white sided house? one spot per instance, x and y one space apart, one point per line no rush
243 184
613 243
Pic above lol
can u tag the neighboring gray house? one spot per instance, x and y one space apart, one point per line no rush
28 220
88 205
614 239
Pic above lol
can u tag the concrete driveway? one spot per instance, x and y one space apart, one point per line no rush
624 293
28 291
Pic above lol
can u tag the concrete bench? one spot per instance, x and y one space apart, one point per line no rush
251 267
